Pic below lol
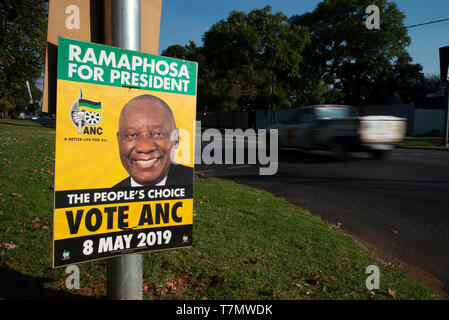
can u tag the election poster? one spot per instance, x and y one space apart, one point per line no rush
125 132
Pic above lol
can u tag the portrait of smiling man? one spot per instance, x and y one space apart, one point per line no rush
147 138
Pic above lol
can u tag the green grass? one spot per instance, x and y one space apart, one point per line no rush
435 143
248 244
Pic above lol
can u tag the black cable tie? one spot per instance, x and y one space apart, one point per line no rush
131 87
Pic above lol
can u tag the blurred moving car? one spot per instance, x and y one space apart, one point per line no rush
340 129
31 117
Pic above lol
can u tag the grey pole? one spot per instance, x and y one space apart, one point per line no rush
122 23
122 29
446 117
444 62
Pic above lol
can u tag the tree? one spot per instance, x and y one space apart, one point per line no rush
403 80
190 52
194 53
23 25
250 57
343 54
430 84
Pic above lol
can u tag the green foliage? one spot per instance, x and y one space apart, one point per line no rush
258 58
191 52
430 83
23 25
258 53
324 56
247 60
363 66
434 141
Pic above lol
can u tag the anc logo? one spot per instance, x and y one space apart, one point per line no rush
86 113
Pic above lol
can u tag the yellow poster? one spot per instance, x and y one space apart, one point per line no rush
124 152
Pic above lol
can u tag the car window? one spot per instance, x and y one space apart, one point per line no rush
305 115
330 113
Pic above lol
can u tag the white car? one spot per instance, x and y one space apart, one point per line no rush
339 128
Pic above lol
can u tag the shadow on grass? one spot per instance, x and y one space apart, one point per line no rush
17 286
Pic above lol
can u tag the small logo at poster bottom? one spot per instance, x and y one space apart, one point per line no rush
66 255
185 238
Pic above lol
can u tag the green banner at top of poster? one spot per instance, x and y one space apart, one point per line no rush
94 63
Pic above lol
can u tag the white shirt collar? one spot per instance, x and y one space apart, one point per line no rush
160 183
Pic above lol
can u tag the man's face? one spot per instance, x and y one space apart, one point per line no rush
144 141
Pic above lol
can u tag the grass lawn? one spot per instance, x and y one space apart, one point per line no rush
435 143
248 244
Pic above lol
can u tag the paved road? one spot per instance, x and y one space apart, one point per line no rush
398 207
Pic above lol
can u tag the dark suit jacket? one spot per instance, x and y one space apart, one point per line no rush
177 175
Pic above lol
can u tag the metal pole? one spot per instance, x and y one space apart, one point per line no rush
446 117
122 29
125 277
122 23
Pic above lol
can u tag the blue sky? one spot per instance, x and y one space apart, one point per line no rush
183 20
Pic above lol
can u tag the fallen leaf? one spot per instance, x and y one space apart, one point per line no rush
9 245
315 279
35 226
392 293
336 226
170 285
16 195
